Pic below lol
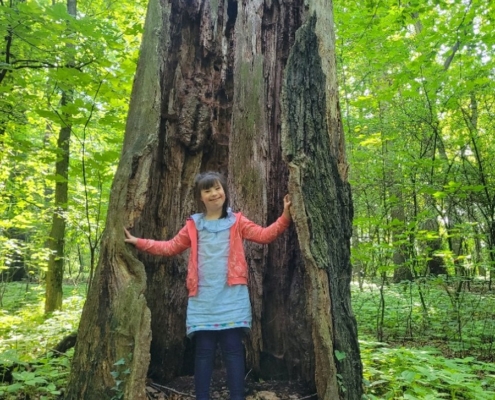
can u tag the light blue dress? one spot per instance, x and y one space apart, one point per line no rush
217 305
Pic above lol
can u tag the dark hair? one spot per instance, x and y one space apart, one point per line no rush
205 181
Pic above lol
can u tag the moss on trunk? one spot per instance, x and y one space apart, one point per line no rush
323 217
207 95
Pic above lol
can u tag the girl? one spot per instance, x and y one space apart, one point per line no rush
218 308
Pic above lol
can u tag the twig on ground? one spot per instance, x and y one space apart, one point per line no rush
171 390
307 397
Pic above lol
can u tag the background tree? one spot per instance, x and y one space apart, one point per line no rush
35 70
207 96
56 237
420 60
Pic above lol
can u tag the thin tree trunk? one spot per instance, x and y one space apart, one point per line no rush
56 239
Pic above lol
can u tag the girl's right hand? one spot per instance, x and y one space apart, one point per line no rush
129 238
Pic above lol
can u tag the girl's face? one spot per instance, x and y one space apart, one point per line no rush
213 198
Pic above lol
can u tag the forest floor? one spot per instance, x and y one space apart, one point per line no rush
183 388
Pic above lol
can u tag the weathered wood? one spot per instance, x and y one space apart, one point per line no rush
207 96
115 322
322 215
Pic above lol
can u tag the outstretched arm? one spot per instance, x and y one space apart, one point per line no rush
177 245
256 233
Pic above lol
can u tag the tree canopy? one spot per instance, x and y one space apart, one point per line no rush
416 84
48 51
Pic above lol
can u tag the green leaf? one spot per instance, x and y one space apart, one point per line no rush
120 362
339 355
15 387
59 11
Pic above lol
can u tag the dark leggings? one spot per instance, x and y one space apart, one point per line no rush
233 357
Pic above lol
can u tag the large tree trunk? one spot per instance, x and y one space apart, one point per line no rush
208 96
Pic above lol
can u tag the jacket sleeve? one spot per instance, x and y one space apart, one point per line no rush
172 247
256 233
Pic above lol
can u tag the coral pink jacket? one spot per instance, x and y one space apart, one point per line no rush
237 269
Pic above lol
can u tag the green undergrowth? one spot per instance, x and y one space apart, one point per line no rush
431 339
421 367
423 374
29 368
430 312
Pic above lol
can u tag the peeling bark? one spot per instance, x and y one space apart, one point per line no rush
323 218
207 96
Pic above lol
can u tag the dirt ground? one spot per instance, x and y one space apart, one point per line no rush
183 388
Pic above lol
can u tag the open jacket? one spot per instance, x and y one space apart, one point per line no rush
237 269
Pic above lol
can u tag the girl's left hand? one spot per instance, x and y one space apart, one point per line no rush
129 238
287 204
